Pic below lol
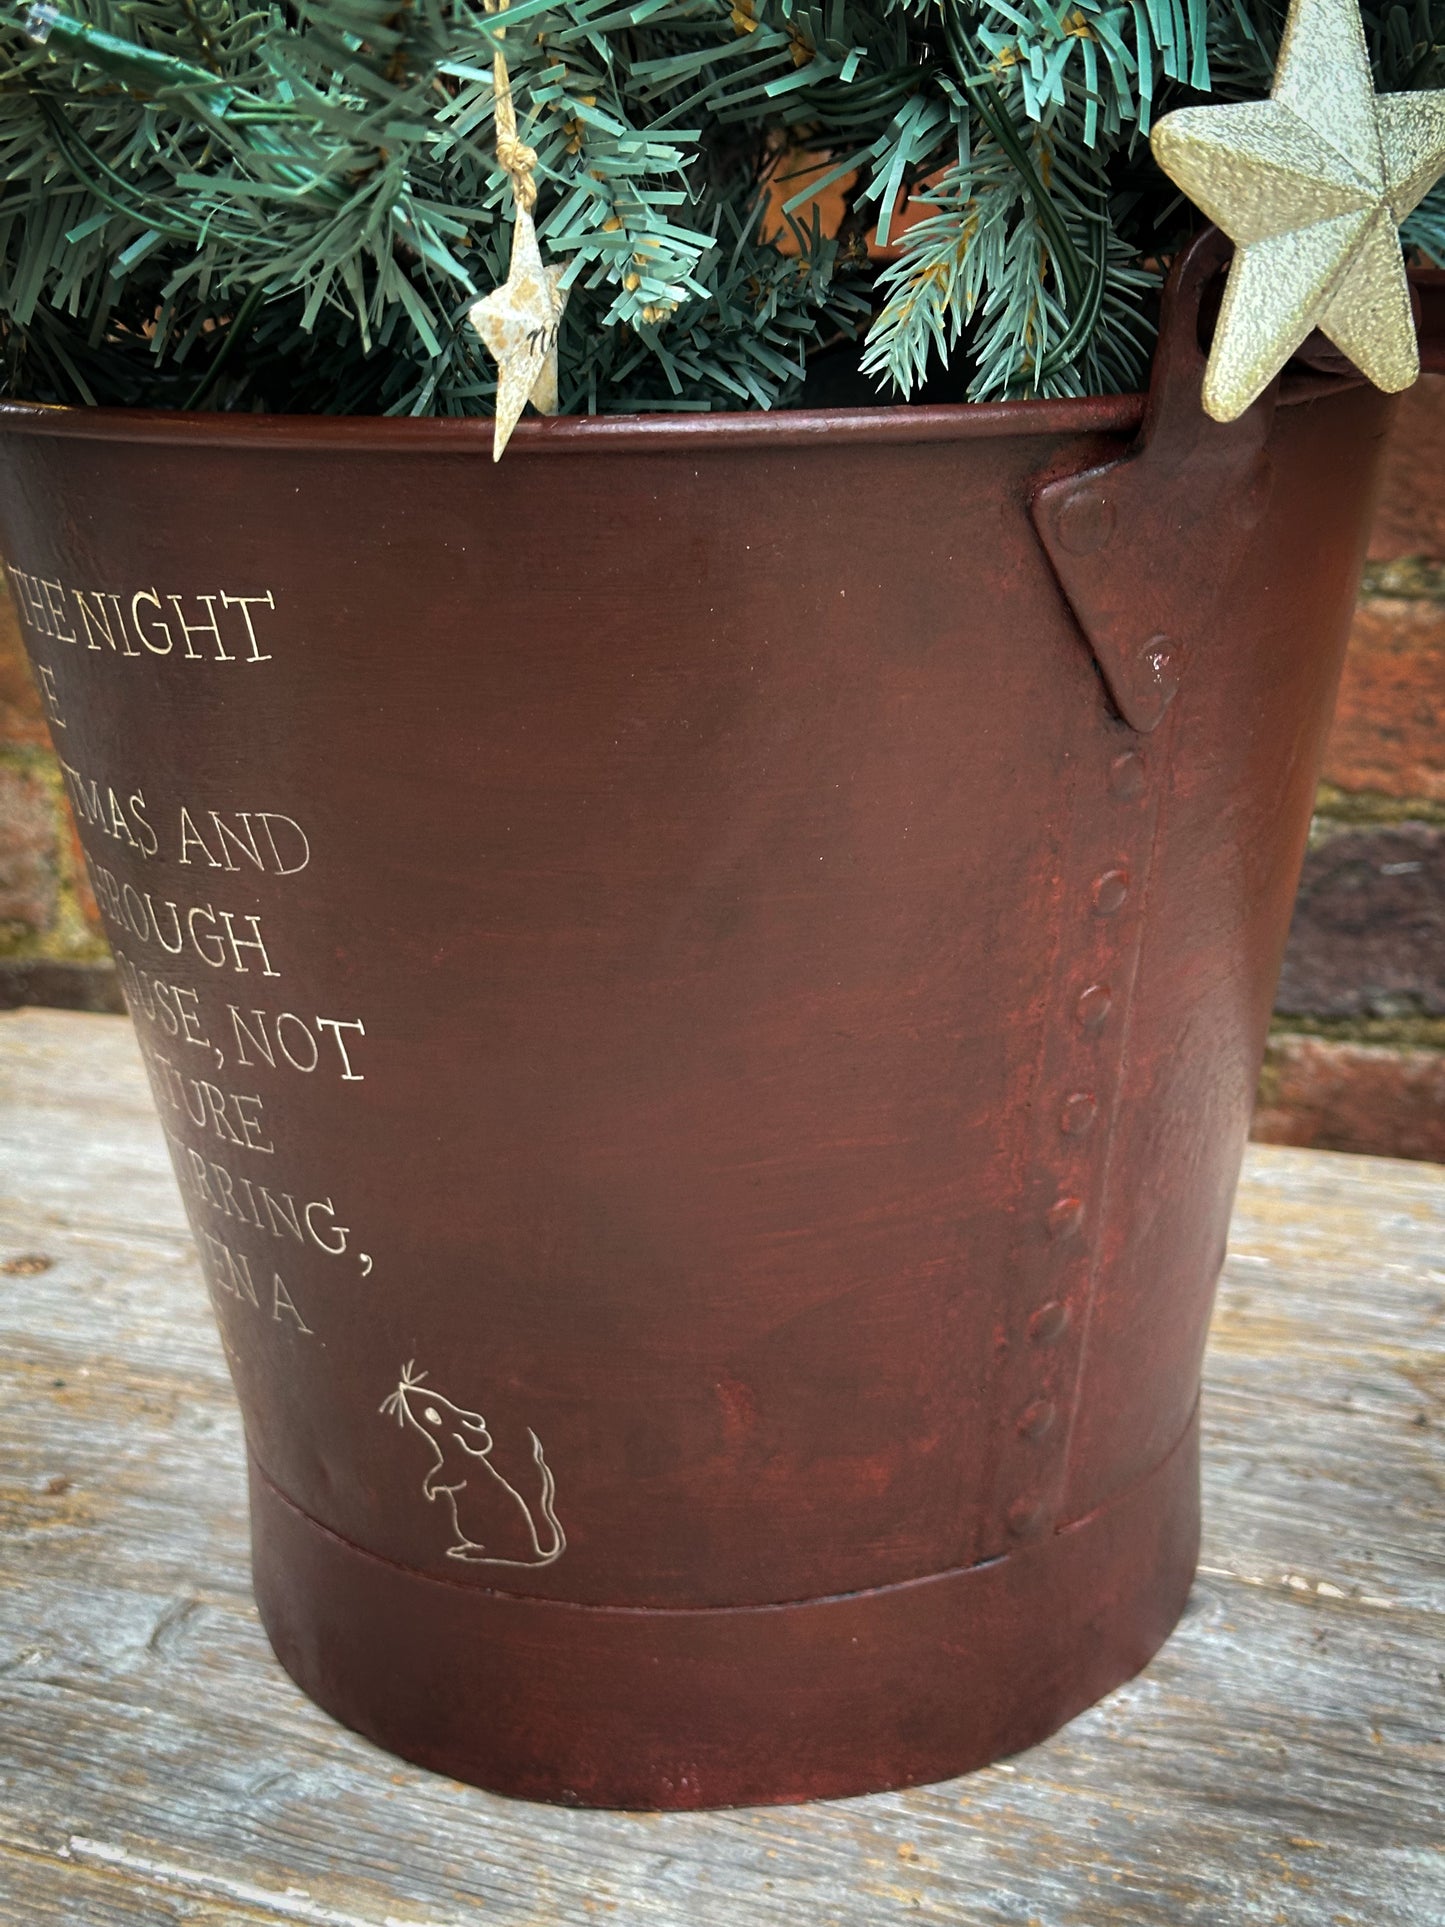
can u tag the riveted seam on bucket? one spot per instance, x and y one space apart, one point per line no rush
1115 1499
1061 1264
1162 759
999 1490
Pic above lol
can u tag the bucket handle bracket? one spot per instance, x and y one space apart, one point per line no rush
1143 547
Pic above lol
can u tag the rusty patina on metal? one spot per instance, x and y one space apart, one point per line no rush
707 1014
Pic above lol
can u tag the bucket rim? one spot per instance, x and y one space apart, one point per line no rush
662 433
585 434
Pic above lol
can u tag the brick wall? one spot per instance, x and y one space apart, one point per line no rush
1357 1057
52 950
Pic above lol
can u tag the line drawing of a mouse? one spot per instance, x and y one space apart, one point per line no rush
461 1446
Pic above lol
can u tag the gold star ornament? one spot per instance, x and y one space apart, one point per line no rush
1311 186
519 322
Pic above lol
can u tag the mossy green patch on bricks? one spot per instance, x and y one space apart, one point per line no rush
44 910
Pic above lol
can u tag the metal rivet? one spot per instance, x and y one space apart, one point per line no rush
1085 522
1049 1322
1065 1217
1110 891
1080 1110
1025 1516
1093 1006
1126 773
1159 662
1038 1420
1252 501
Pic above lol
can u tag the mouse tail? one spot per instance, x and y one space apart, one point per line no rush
546 1546
549 1492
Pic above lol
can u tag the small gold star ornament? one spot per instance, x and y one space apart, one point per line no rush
519 323
1311 186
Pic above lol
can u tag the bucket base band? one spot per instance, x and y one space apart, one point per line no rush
729 1706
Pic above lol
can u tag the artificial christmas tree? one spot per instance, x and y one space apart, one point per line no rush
294 209
707 1061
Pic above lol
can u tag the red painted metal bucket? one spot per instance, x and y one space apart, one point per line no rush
705 986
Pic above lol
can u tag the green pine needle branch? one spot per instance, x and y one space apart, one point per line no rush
227 204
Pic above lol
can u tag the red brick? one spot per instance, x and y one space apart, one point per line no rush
1411 518
1389 731
1353 1097
27 854
1368 936
60 983
73 860
22 725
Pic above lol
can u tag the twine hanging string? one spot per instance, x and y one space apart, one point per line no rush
516 160
519 321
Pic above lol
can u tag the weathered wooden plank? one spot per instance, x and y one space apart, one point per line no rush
1280 1761
177 1731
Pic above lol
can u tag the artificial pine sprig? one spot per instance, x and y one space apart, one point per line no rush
240 204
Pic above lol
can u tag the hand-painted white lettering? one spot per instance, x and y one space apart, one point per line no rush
348 1075
233 1116
55 608
322 1229
216 936
282 1303
291 1040
97 621
243 603
210 627
191 838
230 1194
253 942
157 637
302 1052
29 601
229 1272
150 622
100 806
267 840
173 1008
49 694
205 634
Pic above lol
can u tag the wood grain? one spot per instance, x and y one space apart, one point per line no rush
1280 1762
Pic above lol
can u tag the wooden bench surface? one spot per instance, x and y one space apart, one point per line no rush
1280 1762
